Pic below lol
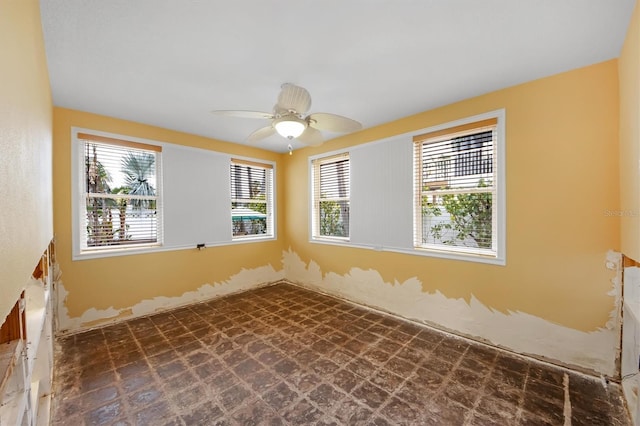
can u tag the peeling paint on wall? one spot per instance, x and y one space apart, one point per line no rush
516 331
595 351
244 280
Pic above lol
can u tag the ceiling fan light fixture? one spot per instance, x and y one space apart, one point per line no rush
290 120
290 127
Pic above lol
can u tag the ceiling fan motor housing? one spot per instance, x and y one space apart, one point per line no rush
294 99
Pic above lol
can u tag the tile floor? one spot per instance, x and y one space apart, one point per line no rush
283 355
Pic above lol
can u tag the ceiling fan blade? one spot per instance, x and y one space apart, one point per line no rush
244 114
294 98
260 134
311 137
333 123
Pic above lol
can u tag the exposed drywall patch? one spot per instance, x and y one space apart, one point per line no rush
614 263
631 340
517 331
243 280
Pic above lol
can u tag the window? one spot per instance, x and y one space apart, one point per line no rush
331 191
121 200
456 201
251 199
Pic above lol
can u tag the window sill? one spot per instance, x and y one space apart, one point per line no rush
331 240
99 254
460 255
113 252
440 254
252 238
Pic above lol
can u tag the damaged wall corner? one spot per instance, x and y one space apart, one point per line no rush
630 355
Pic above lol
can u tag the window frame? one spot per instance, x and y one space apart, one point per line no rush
315 163
270 195
498 205
78 195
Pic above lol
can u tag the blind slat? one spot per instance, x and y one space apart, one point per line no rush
452 132
119 142
254 164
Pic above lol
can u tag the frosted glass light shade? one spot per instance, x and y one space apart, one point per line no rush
290 128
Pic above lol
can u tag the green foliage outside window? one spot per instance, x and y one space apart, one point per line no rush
330 224
470 217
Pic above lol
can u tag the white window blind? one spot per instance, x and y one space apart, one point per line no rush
195 197
122 203
331 193
251 199
382 194
456 189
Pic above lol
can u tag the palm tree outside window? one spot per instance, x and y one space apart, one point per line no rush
121 193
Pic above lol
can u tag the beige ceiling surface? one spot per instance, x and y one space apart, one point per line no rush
169 63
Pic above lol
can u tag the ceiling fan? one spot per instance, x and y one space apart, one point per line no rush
288 119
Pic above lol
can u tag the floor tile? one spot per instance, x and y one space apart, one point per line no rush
284 355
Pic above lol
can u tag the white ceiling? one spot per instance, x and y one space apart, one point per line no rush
169 63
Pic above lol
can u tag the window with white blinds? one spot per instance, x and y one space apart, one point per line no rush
121 206
331 197
456 182
251 199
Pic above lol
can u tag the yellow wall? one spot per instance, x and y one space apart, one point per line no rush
553 299
629 75
122 282
562 176
25 148
629 72
568 153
